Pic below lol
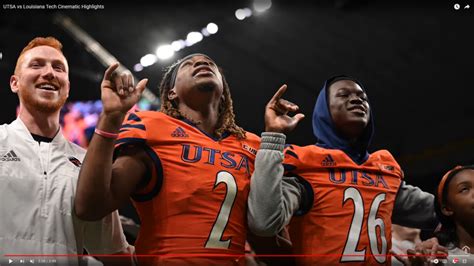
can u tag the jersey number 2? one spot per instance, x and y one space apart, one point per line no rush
350 253
214 239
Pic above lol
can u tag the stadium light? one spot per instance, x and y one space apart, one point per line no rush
193 37
212 28
138 67
164 52
247 12
178 45
261 5
148 60
240 14
205 32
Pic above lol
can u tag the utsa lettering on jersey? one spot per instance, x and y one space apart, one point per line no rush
195 200
186 167
351 208
338 199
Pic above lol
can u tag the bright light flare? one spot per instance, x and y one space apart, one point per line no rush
193 37
178 45
148 60
138 67
212 28
164 52
261 5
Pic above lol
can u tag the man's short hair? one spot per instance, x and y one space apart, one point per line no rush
39 41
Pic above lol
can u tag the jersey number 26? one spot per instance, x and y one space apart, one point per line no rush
351 254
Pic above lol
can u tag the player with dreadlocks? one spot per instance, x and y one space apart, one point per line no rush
226 116
187 167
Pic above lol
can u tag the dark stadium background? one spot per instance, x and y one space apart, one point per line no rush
415 59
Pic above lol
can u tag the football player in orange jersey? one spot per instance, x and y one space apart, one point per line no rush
340 199
187 167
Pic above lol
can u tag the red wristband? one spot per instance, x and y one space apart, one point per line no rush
106 134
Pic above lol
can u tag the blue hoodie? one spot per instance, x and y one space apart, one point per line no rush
325 131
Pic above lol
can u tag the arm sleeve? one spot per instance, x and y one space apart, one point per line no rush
414 208
273 198
132 131
105 236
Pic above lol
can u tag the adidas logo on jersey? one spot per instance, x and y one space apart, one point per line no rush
10 157
179 133
328 161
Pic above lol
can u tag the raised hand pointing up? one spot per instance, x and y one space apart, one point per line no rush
276 113
118 91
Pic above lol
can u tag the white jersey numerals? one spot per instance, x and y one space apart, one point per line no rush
214 239
350 253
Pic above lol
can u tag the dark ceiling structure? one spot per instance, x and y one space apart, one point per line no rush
416 61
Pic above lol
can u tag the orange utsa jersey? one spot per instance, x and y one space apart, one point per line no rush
348 219
195 200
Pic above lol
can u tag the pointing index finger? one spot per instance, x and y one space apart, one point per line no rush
141 85
279 93
110 70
